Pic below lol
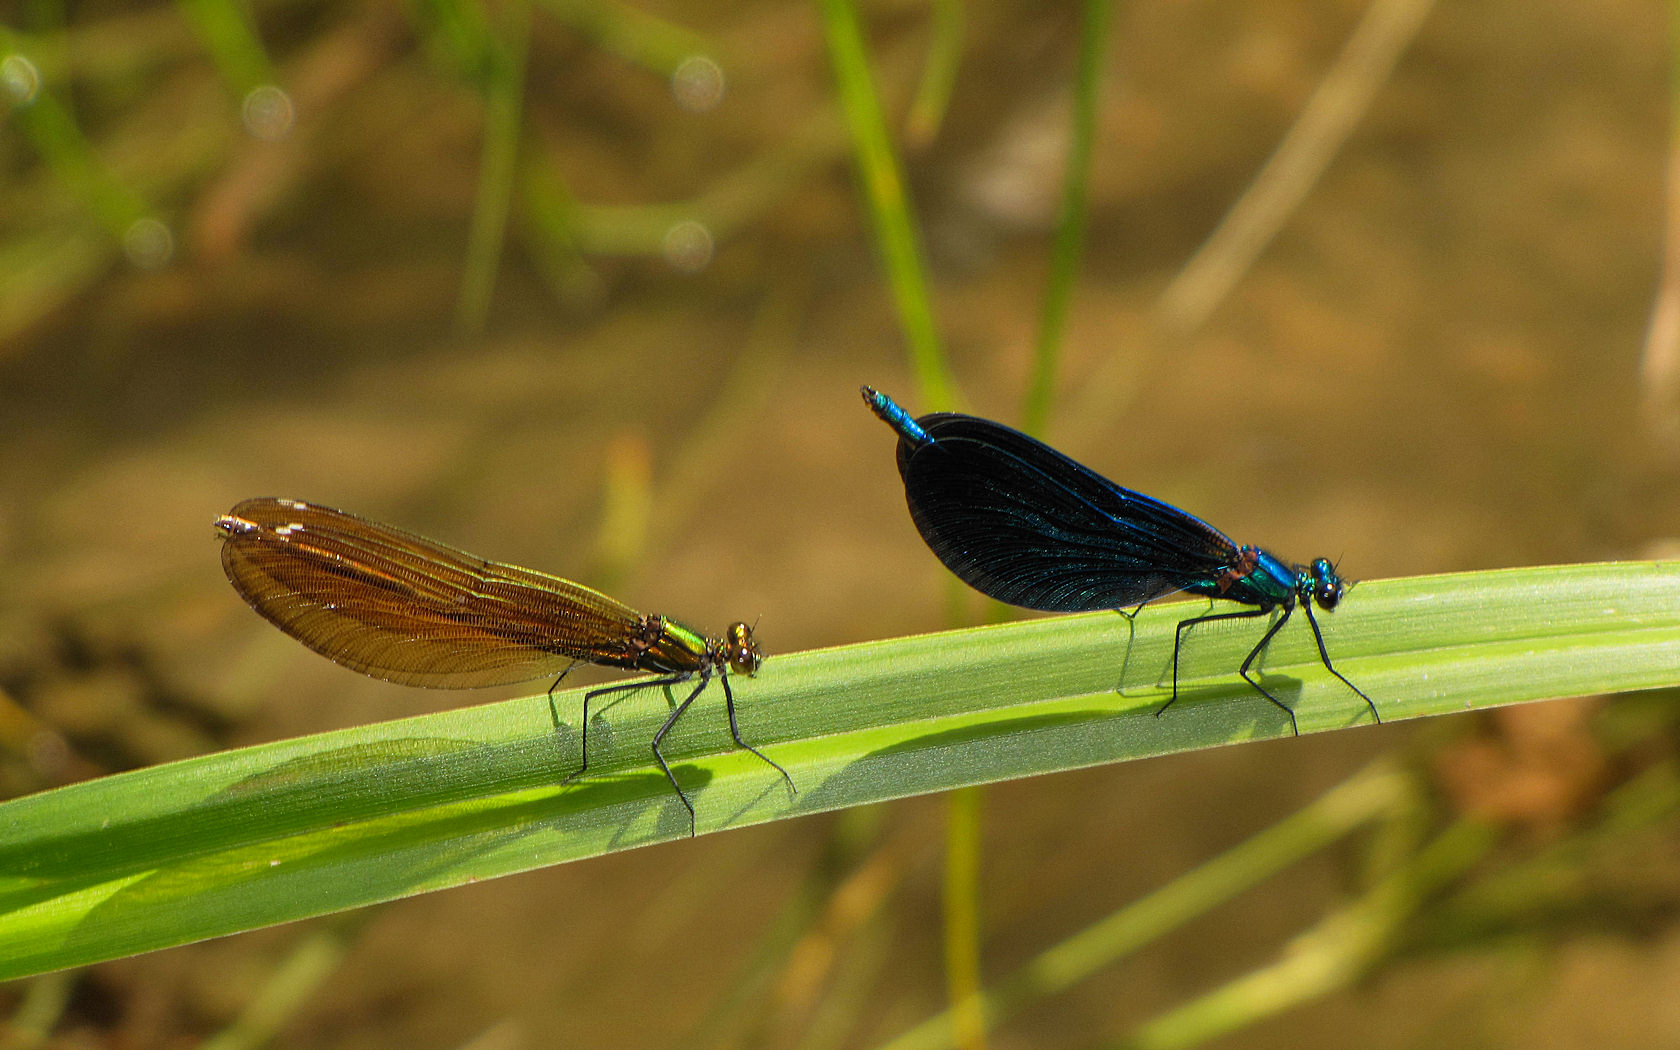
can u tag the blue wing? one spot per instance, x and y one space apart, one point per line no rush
1021 522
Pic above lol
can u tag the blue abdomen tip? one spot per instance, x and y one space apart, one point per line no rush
895 416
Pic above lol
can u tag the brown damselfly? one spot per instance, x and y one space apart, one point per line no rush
397 606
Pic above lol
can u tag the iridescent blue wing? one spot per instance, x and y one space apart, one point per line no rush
1019 521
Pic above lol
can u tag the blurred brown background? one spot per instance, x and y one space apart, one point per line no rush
1438 363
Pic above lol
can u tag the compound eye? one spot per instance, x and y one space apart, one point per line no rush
742 648
1328 593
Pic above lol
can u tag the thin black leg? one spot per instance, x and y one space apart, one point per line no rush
659 737
659 756
1139 607
1254 653
652 683
734 731
553 712
1178 643
1131 636
1324 654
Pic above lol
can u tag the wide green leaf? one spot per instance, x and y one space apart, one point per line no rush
267 834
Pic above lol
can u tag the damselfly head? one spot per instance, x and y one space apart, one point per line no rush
739 649
1327 587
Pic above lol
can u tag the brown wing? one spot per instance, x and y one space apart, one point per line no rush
406 609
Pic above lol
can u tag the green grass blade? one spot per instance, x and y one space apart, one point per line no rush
1333 954
1367 796
962 914
887 200
939 75
632 34
504 103
232 41
262 835
50 127
1070 220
